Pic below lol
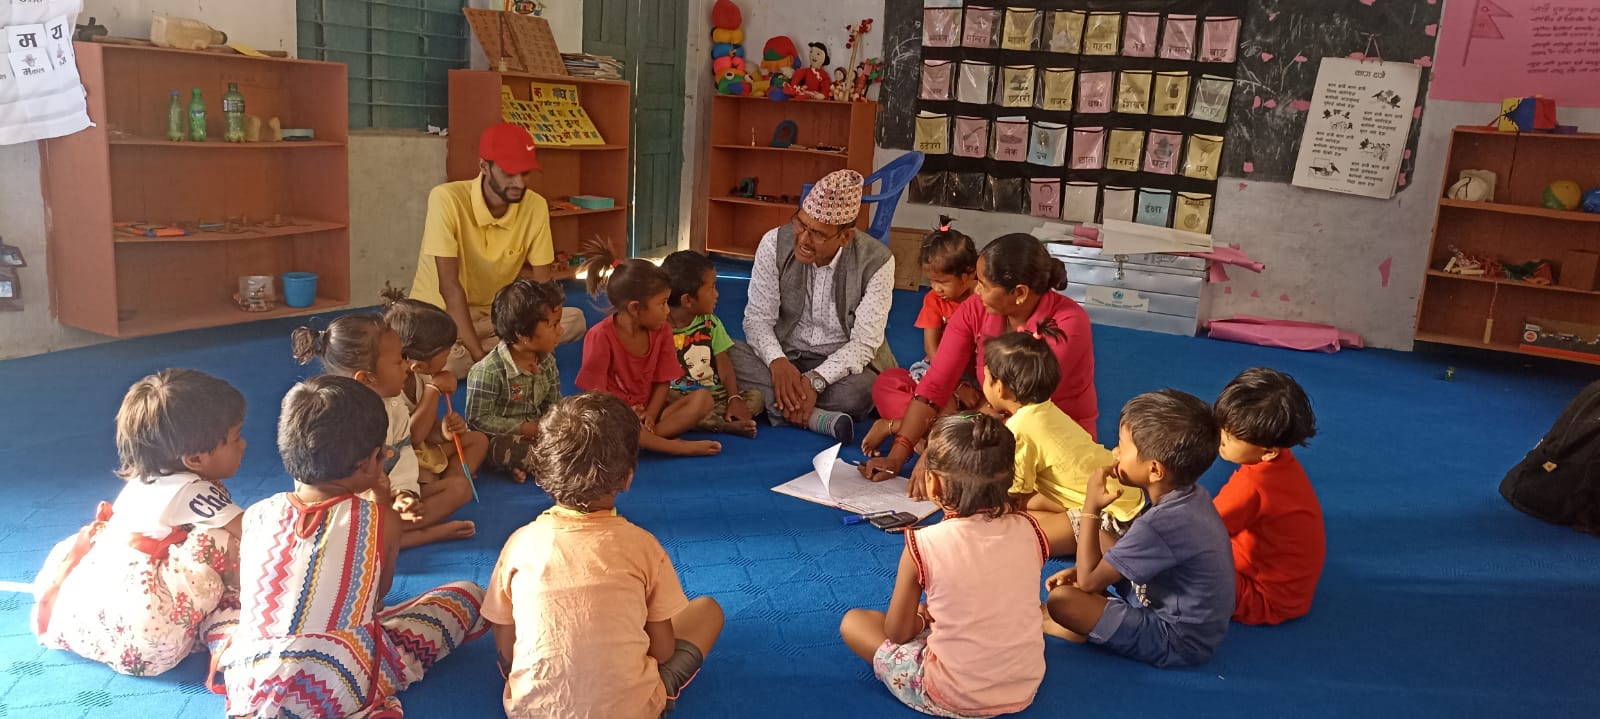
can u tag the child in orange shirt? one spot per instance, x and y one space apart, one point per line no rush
950 263
630 353
589 618
1272 513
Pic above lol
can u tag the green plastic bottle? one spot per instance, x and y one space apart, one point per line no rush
197 117
175 119
233 113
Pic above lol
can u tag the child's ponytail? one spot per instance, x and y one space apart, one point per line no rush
974 457
599 263
349 344
1023 363
623 282
948 251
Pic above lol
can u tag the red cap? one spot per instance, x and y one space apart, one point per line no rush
508 146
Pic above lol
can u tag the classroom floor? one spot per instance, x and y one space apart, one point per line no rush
1438 598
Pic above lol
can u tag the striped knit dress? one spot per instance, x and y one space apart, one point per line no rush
312 639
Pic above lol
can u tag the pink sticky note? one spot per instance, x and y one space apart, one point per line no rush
1383 269
1227 290
1242 185
1301 105
1357 56
1266 57
1424 61
1299 58
1416 113
1249 166
1407 154
1431 30
1402 179
1256 102
1285 296
1270 104
1272 16
1367 2
1256 294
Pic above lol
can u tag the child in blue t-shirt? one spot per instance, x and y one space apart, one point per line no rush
702 344
1173 570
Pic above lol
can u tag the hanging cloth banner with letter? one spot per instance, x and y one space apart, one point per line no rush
40 95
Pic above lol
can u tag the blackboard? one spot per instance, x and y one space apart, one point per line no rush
1268 138
1277 34
902 57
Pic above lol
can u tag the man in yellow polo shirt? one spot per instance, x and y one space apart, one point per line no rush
480 235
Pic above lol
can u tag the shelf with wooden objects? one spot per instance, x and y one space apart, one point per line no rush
742 131
1515 228
599 170
282 206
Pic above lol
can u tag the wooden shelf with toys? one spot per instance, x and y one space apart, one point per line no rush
218 211
600 169
1512 265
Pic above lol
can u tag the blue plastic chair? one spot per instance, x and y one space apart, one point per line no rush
895 176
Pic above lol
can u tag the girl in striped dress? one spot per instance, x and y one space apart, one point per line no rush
314 639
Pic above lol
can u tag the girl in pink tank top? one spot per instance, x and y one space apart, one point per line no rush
974 649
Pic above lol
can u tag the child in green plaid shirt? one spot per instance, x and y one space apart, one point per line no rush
702 344
517 382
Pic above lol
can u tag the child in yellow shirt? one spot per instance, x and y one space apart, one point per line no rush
1055 456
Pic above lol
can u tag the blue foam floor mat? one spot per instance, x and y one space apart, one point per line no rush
1438 598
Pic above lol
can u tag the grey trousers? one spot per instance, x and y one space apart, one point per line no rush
851 395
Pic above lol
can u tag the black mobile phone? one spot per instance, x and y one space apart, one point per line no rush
893 521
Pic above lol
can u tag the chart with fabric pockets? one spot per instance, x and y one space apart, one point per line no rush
1081 111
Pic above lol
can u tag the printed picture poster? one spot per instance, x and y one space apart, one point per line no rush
1357 127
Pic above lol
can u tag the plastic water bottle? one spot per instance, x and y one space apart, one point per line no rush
175 119
197 117
233 112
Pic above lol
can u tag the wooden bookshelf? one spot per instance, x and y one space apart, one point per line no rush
1485 312
293 197
601 170
741 146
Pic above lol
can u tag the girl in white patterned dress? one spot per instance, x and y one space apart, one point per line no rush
155 576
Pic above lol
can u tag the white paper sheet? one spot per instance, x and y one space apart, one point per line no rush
835 483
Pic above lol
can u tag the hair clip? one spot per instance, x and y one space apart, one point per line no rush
944 227
617 263
1036 335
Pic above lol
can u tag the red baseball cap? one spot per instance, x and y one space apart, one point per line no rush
508 146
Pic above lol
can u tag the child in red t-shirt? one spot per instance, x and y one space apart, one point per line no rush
1268 505
630 353
950 262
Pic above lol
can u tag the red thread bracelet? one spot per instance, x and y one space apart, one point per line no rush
901 441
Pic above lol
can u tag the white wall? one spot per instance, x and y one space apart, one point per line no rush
261 24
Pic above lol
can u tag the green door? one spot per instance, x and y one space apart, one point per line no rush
651 38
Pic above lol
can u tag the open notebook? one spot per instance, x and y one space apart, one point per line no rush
834 483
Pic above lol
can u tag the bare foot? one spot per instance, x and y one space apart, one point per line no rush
699 448
519 475
880 431
744 428
459 529
1056 630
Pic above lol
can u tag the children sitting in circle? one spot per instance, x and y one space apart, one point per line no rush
155 577
974 648
703 343
517 381
1173 570
589 618
587 610
1055 457
363 348
1273 518
314 637
630 353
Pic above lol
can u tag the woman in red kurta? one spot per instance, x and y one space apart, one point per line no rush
1014 291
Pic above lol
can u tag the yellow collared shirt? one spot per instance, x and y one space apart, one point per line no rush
491 250
1056 457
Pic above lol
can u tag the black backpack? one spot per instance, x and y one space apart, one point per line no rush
1559 480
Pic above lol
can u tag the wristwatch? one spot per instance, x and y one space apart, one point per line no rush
817 382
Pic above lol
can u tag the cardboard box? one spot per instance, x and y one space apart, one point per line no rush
906 244
1561 339
1579 270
